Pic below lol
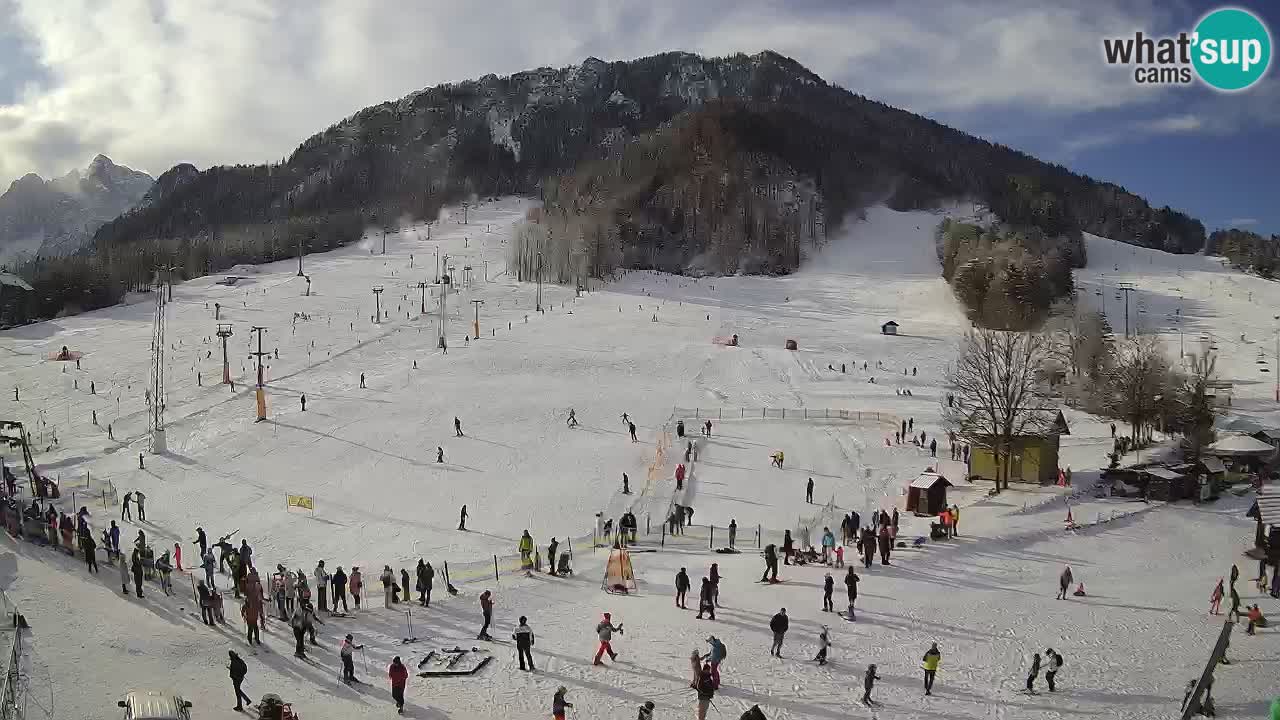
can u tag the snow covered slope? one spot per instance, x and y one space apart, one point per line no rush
639 345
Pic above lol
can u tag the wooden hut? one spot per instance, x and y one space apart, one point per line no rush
927 494
889 328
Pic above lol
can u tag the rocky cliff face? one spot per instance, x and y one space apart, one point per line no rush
59 216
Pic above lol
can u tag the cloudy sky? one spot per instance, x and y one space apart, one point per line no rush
155 82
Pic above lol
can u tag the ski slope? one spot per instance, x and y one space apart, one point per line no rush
641 345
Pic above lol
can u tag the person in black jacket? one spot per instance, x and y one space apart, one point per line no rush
238 670
715 584
339 581
426 578
828 585
136 567
705 599
523 636
869 682
551 556
206 603
788 547
851 581
770 563
682 587
1035 673
778 624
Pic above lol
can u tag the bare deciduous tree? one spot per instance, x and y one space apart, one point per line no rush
1195 406
1139 385
999 394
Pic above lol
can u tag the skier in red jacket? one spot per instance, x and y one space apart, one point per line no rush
399 675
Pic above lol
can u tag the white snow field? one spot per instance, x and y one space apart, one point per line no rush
368 457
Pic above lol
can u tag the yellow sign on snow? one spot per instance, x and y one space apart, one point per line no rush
306 502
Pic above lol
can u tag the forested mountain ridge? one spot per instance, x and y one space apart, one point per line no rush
781 126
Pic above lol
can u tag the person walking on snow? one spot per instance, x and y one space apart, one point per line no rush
605 630
1215 599
788 547
824 641
388 579
682 587
851 581
457 427
523 635
551 557
206 603
932 657
462 514
933 447
237 670
439 455
345 652
125 513
869 682
486 610
778 624
733 532
124 576
339 582
808 492
828 586
362 380
1064 583
426 579
399 676
572 420
631 427
828 545
705 603
715 584
559 703
322 586
140 500
706 685
1033 674
357 584
770 563
1054 662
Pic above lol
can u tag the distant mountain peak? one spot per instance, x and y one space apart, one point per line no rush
57 216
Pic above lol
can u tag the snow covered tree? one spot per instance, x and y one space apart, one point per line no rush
999 392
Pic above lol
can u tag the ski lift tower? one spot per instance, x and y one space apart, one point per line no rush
444 294
224 332
377 303
155 415
260 391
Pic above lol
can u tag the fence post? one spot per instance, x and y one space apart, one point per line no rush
663 541
104 499
806 413
784 413
711 539
720 414
646 523
759 533
762 412
495 568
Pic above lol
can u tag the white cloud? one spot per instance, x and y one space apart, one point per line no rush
1175 124
156 82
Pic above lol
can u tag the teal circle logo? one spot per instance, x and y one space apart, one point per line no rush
1232 49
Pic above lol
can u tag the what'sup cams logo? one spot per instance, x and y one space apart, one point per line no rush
1229 50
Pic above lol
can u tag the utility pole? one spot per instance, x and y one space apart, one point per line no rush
224 332
300 259
1125 288
261 392
477 303
423 287
384 241
538 298
444 294
377 303
155 417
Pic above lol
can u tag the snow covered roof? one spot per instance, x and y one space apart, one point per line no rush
1213 464
1163 473
890 323
14 281
927 480
1269 508
1240 445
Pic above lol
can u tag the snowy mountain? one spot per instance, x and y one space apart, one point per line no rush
57 216
781 124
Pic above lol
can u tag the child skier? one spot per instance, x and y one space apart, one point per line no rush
605 630
824 641
1215 599
559 703
868 683
932 657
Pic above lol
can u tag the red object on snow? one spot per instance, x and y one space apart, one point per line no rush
680 472
1070 520
1079 590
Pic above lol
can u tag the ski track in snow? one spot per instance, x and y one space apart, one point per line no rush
368 457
